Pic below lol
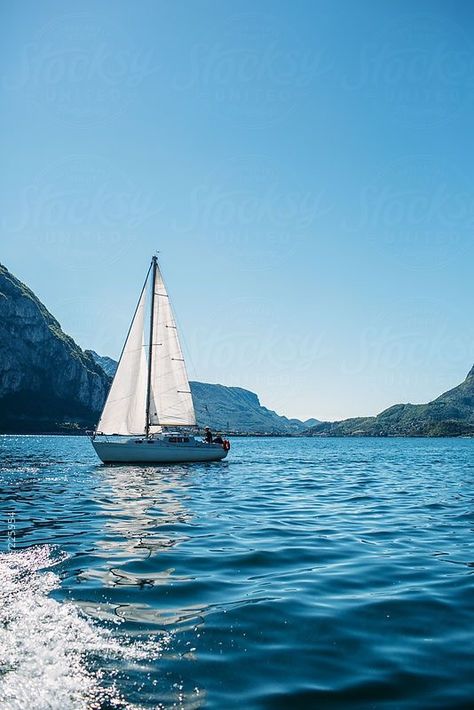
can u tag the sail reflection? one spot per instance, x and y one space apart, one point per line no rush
143 514
145 517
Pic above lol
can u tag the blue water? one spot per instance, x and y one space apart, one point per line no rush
299 573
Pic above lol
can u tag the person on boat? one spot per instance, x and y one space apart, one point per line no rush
207 435
218 439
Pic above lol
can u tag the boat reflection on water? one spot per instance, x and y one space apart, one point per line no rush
141 579
144 514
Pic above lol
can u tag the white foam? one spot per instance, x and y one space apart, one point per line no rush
45 644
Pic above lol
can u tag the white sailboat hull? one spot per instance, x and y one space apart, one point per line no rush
156 451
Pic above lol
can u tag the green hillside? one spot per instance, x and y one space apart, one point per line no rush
451 414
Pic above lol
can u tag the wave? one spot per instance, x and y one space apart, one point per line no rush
48 649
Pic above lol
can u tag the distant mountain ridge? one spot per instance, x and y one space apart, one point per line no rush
229 408
106 363
49 384
451 414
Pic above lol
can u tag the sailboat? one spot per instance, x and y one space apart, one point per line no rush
149 416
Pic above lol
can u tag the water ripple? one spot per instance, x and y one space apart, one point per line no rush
297 574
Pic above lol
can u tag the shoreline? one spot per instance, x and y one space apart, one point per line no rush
250 435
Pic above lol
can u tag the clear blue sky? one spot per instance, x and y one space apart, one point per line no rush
305 169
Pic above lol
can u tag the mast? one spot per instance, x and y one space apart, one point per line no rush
150 345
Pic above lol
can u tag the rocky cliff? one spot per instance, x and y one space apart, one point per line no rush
451 414
47 383
107 363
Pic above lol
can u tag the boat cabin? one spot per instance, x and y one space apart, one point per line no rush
170 438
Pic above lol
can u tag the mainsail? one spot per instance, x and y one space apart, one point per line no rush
150 388
171 402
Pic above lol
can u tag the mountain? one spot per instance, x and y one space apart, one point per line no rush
106 363
229 408
310 423
451 414
47 383
238 410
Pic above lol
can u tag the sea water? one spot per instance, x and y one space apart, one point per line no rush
298 573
